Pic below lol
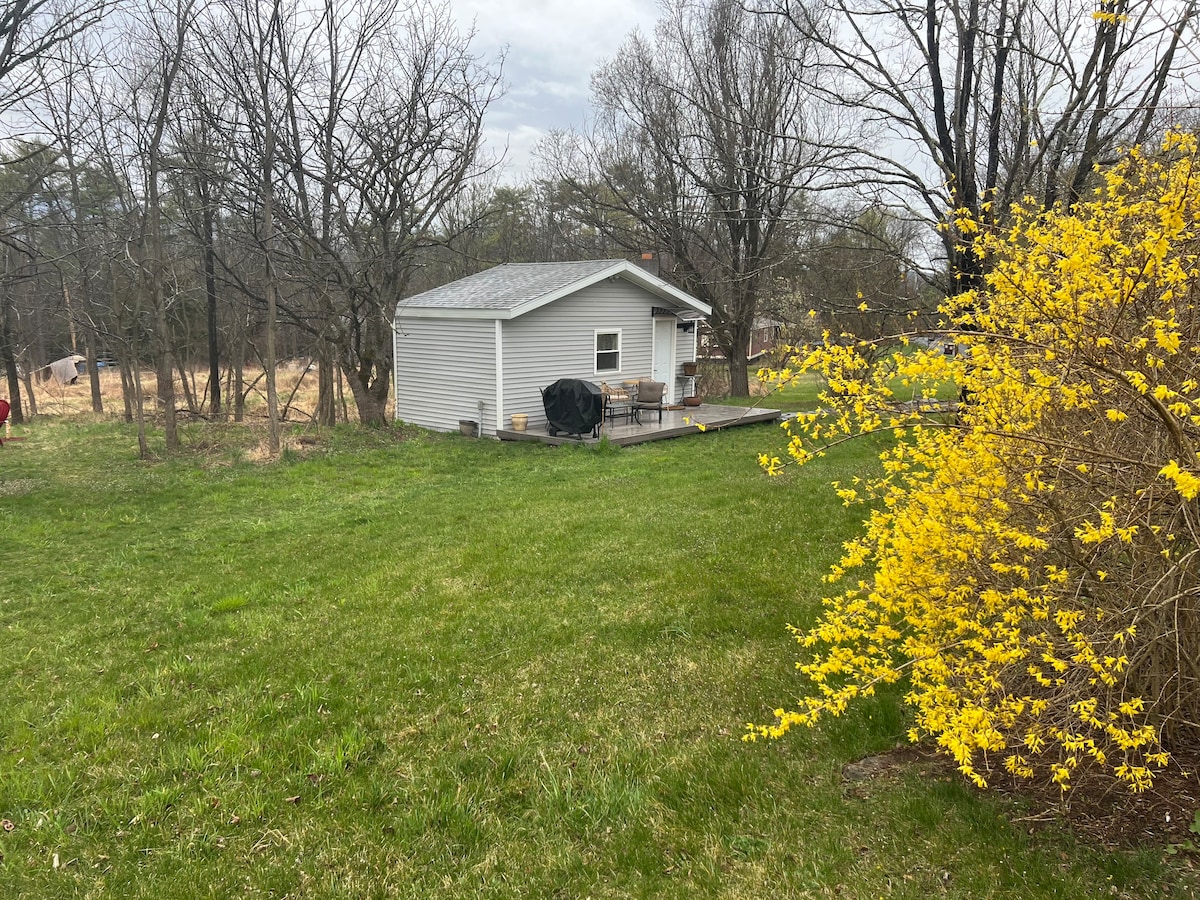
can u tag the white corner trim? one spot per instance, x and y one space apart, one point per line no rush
499 375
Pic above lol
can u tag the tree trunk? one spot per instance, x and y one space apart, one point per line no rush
371 400
326 408
89 344
189 387
153 236
210 293
139 399
238 390
164 355
83 257
267 239
9 357
339 381
739 379
165 370
126 386
273 439
30 398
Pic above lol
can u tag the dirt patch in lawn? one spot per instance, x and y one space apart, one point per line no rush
1098 808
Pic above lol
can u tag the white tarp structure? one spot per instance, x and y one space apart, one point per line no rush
65 370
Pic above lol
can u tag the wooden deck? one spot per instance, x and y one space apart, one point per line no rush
712 416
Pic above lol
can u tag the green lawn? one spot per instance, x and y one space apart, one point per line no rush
445 667
802 394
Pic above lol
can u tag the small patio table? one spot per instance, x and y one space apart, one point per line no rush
618 404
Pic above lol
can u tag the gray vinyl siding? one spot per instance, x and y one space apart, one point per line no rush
444 367
558 341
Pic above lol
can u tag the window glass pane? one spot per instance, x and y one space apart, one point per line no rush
608 352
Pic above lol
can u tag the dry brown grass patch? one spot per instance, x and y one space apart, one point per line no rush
296 386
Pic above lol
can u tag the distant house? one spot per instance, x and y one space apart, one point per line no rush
764 337
482 348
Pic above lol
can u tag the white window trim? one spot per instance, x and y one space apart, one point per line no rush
596 351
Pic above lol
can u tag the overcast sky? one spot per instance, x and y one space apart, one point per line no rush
553 46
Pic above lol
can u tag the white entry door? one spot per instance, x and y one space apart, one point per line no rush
663 365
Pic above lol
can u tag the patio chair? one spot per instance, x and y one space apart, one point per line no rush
649 396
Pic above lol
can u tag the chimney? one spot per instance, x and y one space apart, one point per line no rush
648 261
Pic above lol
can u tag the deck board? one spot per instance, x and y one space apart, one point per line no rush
713 416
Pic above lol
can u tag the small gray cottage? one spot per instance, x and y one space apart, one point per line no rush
482 348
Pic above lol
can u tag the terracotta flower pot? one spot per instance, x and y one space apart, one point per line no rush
691 401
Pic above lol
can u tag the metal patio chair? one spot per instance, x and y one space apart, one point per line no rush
649 396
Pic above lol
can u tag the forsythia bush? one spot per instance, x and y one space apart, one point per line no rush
1030 564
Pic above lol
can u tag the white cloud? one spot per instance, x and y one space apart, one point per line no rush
561 34
553 47
517 145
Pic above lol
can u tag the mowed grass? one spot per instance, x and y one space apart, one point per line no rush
803 392
433 666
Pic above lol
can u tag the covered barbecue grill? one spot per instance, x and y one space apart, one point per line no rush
573 406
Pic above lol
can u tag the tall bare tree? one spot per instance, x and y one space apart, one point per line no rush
128 96
23 179
200 180
703 144
852 275
62 107
164 33
972 104
30 30
248 62
378 120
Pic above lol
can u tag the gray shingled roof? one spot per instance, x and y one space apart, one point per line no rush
508 286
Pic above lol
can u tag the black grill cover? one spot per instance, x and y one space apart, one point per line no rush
573 405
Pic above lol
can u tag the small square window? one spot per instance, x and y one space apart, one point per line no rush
608 351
